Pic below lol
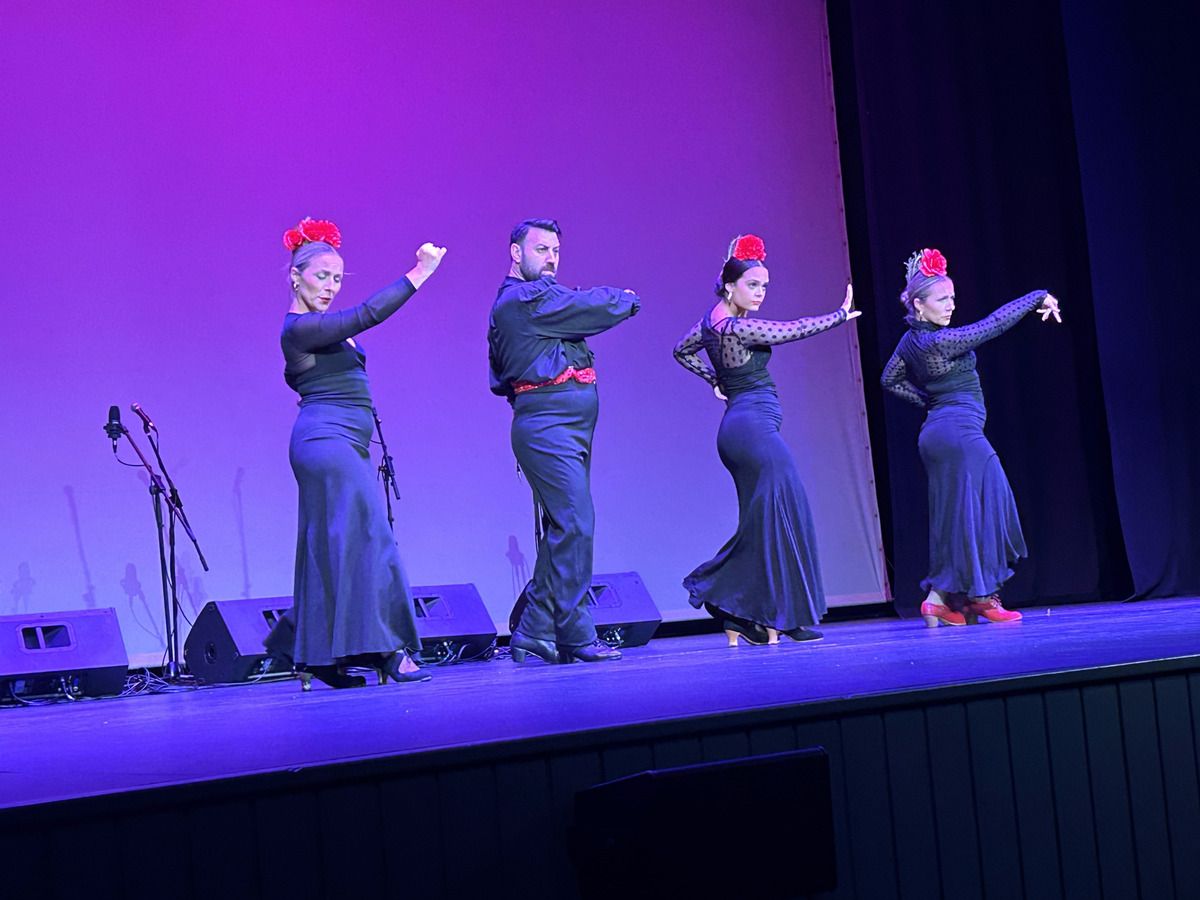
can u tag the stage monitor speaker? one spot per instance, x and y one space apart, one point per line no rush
80 652
225 645
621 607
639 835
453 623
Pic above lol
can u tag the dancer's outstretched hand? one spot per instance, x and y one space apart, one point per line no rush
849 302
1049 308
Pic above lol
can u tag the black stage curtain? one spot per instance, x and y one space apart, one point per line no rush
1135 93
957 132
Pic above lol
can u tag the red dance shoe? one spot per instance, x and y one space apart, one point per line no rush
991 610
936 614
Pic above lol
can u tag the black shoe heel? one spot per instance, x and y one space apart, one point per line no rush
522 646
751 633
735 628
391 668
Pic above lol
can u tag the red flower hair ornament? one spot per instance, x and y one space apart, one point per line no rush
747 246
925 262
310 230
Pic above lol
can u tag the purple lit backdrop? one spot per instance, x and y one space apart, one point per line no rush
155 156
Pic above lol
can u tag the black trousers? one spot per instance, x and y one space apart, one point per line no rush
552 440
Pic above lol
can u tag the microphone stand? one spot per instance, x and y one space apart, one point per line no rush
164 492
175 508
387 471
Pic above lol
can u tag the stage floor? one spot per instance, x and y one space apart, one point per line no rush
96 747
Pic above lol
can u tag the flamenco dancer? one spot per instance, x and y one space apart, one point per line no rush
974 533
539 360
766 580
353 605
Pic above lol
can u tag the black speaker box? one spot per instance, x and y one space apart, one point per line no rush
77 652
225 645
226 642
453 622
621 607
771 836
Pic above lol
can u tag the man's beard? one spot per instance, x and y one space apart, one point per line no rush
529 273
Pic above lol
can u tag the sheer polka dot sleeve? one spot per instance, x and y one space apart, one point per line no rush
953 342
767 332
895 381
687 354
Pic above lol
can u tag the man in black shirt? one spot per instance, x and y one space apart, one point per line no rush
540 361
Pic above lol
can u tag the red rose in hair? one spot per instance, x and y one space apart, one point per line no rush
309 230
320 230
749 246
292 238
932 263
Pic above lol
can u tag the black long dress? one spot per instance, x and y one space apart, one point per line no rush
351 593
975 534
768 572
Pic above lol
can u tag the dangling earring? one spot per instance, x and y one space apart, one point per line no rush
295 287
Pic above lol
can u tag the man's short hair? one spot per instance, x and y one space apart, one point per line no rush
522 228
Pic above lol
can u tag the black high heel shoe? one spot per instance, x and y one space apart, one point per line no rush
393 667
521 645
735 628
751 632
330 675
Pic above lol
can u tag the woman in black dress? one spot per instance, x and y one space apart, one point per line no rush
353 604
766 580
974 534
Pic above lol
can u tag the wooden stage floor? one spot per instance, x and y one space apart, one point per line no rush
99 747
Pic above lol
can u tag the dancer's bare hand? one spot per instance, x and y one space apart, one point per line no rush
429 257
849 302
1049 308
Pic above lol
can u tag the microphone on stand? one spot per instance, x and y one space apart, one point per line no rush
114 429
141 414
